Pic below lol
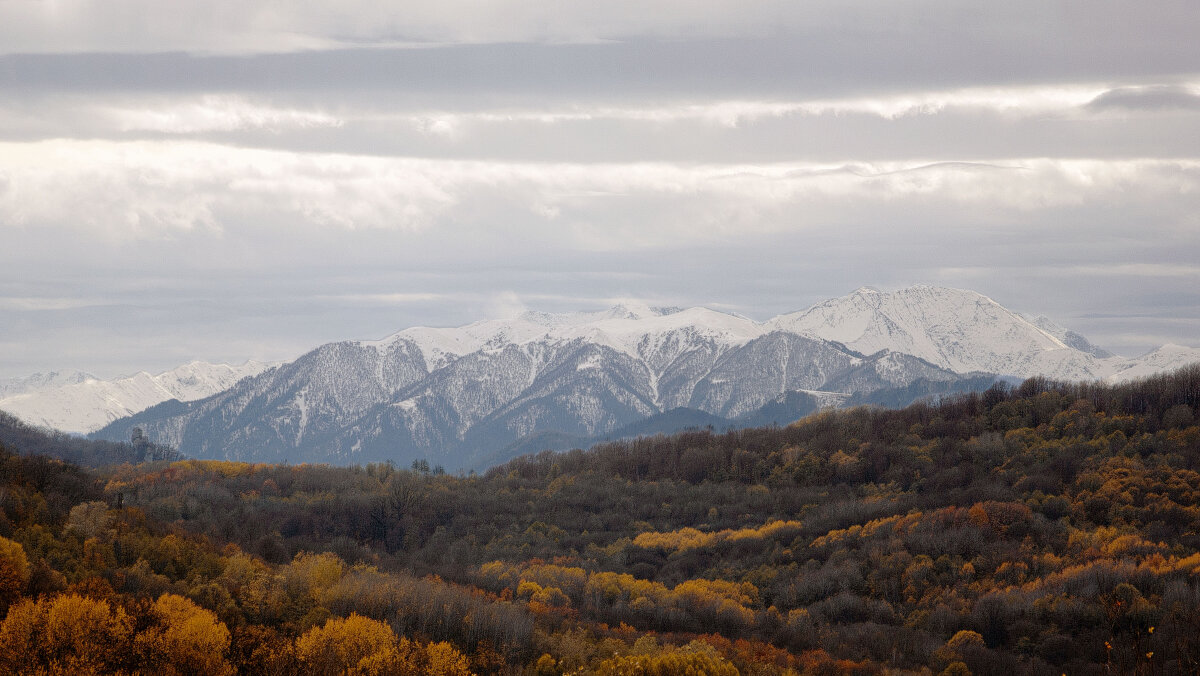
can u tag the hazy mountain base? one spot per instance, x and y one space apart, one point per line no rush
786 409
489 445
32 440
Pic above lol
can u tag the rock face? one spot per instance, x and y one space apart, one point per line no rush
458 396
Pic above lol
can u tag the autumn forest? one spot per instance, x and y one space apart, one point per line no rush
1046 528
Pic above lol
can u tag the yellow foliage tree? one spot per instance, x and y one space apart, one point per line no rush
66 634
546 666
960 646
314 574
430 659
19 636
187 639
694 659
354 645
14 571
445 660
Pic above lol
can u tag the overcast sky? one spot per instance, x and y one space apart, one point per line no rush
226 180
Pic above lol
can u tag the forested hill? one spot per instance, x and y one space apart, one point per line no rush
28 439
1047 529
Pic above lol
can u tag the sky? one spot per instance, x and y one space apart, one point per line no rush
226 180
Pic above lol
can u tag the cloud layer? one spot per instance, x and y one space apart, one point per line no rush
211 181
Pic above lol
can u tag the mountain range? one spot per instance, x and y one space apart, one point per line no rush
474 395
78 402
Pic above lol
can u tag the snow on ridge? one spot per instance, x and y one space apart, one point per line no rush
957 330
1165 358
621 328
1046 324
952 328
40 381
86 406
198 379
439 346
627 333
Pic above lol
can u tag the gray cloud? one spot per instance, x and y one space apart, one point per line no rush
978 123
1149 98
254 185
760 241
1106 30
812 60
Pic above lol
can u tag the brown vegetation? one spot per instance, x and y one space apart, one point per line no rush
1048 529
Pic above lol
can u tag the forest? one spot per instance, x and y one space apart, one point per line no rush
1045 528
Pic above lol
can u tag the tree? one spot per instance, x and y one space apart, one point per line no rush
312 574
262 651
186 639
66 634
355 644
89 519
694 658
14 572
446 660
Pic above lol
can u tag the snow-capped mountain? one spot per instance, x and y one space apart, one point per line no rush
964 331
79 403
1165 358
1068 337
957 330
41 381
459 395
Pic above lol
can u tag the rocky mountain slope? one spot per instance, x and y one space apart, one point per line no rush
457 396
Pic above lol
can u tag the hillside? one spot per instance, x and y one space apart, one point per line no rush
29 440
91 586
1044 529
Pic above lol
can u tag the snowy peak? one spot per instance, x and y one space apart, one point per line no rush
1165 358
959 330
87 404
866 291
464 393
41 381
1068 337
629 328
631 333
630 311
197 379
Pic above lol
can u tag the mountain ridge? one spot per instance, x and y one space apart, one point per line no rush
78 403
458 395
